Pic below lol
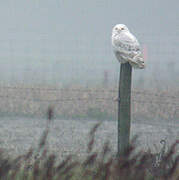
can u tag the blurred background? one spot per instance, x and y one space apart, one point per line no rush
58 53
58 42
53 51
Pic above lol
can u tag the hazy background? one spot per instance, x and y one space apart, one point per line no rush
64 41
50 49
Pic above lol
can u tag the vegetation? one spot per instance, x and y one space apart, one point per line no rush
40 164
92 103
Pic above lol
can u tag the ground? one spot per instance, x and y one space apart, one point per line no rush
17 135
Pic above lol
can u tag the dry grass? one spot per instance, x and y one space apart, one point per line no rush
92 102
41 164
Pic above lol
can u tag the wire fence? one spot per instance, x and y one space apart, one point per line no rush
49 62
55 90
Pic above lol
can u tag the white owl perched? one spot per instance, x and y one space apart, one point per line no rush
126 47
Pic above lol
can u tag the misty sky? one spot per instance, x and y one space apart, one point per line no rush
67 40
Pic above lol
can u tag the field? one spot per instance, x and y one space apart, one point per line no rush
66 137
73 140
76 111
77 102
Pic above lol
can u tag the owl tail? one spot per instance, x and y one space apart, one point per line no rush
137 62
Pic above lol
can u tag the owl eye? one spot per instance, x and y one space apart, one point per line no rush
116 28
122 28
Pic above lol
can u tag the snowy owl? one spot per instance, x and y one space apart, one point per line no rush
126 47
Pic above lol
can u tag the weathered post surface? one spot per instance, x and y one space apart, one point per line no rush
124 107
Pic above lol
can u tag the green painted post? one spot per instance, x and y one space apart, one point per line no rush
124 107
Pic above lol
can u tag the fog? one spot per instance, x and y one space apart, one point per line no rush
63 42
50 49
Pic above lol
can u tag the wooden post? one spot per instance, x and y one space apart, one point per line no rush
124 107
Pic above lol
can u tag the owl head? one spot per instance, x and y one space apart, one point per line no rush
118 28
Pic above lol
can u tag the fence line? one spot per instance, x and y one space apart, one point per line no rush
86 90
87 99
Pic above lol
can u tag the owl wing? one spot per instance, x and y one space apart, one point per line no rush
126 43
127 49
